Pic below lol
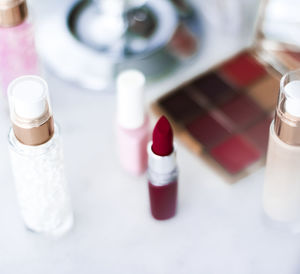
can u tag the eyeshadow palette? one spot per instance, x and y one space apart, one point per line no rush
225 114
290 59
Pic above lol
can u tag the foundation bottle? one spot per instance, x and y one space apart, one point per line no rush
37 158
281 195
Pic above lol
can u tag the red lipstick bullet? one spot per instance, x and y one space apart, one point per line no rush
162 171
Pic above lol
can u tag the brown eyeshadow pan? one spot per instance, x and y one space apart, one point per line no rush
265 92
226 113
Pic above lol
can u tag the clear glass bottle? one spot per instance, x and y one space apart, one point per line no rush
18 54
37 158
281 196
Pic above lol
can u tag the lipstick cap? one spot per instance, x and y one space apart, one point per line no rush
130 99
30 110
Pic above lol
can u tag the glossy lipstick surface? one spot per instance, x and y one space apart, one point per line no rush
162 172
162 138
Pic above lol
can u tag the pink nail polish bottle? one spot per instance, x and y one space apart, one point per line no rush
132 122
17 50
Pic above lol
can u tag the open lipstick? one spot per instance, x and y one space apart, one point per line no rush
162 171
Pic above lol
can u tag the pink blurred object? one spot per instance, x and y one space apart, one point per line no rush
133 131
18 55
132 145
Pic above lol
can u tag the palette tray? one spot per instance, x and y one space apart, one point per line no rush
224 115
290 59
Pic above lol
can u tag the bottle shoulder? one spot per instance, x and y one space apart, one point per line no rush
17 146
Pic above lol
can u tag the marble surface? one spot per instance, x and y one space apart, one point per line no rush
219 228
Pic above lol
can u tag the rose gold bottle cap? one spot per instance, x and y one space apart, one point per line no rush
30 110
12 12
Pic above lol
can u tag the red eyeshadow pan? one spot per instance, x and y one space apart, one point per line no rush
243 70
235 154
242 110
207 130
259 134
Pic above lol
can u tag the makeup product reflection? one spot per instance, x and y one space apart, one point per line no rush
37 158
17 50
109 36
162 171
132 122
281 198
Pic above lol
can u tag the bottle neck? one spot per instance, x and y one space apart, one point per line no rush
287 127
13 14
35 136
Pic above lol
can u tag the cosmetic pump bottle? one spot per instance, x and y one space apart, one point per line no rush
37 158
132 122
281 196
18 55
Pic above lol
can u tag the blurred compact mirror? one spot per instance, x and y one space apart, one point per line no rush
88 41
282 22
278 33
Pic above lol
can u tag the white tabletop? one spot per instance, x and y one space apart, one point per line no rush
219 228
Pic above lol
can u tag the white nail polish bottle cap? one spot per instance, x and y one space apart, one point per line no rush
292 92
130 99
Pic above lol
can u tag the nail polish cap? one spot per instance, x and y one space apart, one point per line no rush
130 99
30 109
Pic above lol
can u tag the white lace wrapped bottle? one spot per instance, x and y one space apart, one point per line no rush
37 158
